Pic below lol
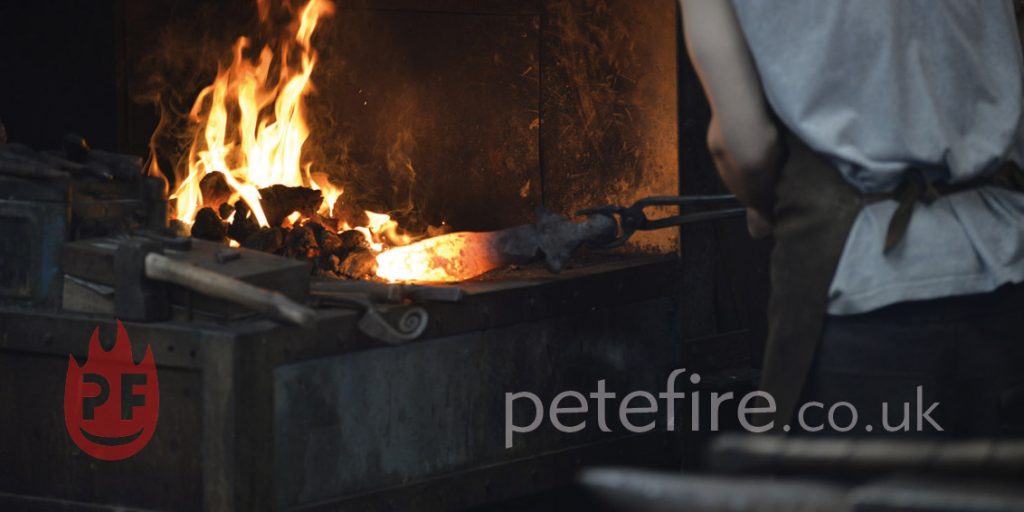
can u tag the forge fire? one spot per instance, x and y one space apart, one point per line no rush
246 180
309 245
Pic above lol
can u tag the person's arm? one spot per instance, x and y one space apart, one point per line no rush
742 137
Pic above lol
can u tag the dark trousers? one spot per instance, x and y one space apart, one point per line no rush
966 353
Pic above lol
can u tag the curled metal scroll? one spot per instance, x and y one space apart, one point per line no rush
410 325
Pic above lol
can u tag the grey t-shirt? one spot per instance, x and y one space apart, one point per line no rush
881 85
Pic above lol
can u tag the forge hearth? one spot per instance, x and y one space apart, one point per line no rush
257 170
428 122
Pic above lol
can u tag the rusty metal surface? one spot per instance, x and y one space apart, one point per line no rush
609 102
431 114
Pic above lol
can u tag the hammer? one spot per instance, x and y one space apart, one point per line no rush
142 272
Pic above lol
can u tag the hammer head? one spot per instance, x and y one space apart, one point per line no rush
135 296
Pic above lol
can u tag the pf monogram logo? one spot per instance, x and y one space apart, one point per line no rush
111 404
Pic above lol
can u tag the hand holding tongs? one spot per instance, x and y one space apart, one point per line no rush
633 219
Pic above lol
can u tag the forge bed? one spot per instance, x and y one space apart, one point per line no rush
255 415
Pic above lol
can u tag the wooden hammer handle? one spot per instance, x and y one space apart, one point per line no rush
270 303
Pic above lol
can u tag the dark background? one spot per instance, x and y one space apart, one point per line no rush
58 72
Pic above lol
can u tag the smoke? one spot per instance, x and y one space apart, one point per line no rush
401 170
179 61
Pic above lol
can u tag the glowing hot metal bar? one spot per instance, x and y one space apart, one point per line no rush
461 256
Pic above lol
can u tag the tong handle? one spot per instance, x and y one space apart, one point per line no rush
685 200
633 218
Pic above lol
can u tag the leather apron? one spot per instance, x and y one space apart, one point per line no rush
815 210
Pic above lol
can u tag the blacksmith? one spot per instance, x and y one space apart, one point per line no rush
880 143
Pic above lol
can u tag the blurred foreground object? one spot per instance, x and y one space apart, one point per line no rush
766 473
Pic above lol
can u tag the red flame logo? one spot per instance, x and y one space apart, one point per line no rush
111 404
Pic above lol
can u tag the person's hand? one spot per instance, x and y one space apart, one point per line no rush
758 225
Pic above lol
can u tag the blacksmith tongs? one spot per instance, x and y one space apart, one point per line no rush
632 219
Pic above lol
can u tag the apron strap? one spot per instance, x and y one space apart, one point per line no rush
916 188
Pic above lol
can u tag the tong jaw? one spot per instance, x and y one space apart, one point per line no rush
627 221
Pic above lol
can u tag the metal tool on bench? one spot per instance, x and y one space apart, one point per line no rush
145 272
367 297
388 292
632 219
145 259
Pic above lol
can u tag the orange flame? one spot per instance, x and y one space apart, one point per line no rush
252 126
252 129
